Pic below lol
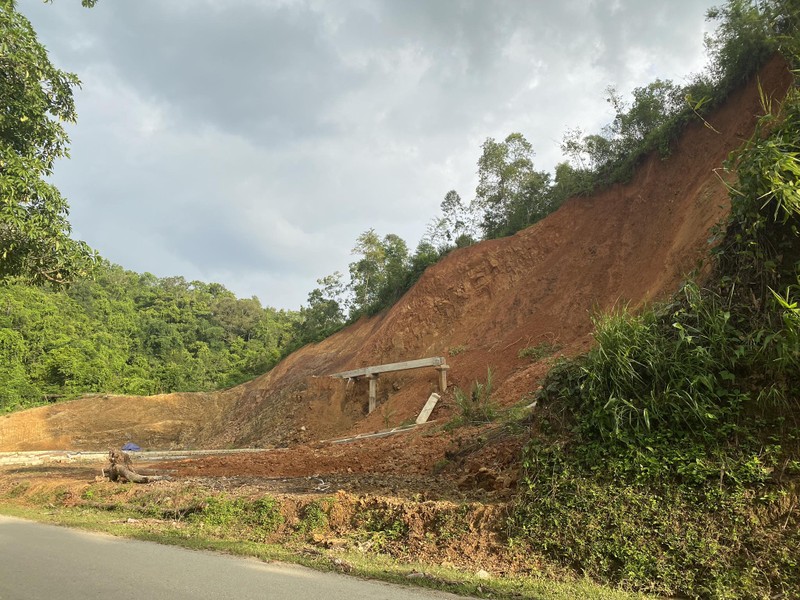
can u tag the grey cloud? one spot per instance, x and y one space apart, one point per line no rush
251 142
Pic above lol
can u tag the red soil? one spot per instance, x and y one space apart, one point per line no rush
628 245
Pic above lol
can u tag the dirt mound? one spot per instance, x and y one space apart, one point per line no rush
107 421
630 244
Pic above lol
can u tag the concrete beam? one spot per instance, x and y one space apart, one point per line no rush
435 361
442 377
427 409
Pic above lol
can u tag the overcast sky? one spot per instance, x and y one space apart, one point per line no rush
249 142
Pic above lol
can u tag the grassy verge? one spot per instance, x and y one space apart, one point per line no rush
221 527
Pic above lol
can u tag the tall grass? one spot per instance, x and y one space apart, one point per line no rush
662 369
476 407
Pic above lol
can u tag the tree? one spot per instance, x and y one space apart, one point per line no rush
395 268
457 217
747 35
17 390
654 105
324 314
35 100
366 274
425 255
380 276
510 194
569 182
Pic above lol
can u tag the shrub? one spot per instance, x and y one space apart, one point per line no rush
477 407
539 351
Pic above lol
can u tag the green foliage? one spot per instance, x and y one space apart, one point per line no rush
315 515
657 537
258 517
680 436
424 256
324 314
454 227
510 194
477 406
450 524
379 277
383 272
129 333
666 369
35 102
748 33
17 389
697 364
650 123
539 351
383 525
759 251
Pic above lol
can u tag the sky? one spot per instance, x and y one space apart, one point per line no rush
250 142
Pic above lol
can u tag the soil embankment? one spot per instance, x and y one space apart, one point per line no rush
630 244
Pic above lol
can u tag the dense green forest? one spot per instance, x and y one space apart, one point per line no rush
124 332
72 323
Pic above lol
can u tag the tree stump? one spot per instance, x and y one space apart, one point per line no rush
121 469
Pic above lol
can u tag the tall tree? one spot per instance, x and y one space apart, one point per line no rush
510 193
324 314
457 223
381 273
35 101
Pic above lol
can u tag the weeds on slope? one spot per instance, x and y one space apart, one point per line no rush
676 469
476 407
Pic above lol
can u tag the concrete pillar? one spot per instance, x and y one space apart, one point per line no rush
373 391
443 377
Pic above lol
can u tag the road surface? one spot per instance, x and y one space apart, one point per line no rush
44 562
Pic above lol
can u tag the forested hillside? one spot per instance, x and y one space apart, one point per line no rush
130 333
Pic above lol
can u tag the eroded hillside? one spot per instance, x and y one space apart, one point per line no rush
478 307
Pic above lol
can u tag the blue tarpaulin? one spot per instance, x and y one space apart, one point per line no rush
131 446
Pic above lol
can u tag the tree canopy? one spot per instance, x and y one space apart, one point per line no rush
123 332
35 102
511 194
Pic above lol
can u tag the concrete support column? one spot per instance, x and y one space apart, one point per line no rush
373 391
442 377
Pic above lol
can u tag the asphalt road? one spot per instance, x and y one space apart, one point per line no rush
45 562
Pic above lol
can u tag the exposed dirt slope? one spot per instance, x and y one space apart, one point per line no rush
103 422
479 306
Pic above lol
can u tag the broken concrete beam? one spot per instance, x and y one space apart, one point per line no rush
428 409
442 377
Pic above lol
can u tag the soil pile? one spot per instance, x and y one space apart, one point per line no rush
479 307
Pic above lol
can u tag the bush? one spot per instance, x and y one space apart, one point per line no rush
477 407
260 517
657 537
